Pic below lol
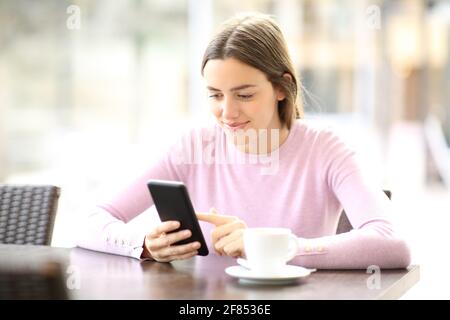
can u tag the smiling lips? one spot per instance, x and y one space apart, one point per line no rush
235 125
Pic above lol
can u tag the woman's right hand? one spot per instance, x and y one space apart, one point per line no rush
158 244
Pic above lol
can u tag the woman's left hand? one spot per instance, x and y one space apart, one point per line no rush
227 237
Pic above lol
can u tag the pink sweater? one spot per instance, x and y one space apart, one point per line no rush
303 185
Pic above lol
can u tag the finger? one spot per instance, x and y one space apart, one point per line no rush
214 244
222 243
222 232
165 254
164 227
161 259
179 250
234 248
226 229
169 239
229 238
184 256
216 219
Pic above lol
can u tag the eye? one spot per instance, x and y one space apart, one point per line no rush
215 96
245 96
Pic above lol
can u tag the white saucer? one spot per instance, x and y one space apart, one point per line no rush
289 274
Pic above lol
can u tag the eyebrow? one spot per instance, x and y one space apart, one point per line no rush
244 86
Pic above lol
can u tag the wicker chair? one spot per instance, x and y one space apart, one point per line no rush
344 224
27 213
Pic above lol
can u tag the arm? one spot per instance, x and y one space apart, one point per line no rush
101 231
106 228
373 241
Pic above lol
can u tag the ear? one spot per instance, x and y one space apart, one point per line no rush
281 95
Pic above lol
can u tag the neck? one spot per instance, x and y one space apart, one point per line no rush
262 141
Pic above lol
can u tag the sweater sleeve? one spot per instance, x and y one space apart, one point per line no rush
106 228
373 240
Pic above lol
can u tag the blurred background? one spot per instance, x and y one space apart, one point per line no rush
92 91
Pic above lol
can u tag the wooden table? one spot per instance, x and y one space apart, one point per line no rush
95 275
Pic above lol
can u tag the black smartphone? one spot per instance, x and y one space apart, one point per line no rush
172 202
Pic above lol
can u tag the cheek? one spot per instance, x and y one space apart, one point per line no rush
251 109
215 110
258 109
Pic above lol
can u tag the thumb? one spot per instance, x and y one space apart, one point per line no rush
213 210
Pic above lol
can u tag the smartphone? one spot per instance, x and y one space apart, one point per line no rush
172 202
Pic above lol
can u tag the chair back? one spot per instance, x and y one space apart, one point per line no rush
344 224
27 213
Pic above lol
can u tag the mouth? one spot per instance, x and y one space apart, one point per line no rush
235 125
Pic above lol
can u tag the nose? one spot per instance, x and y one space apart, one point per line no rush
229 109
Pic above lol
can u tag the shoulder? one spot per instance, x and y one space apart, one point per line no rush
317 133
324 144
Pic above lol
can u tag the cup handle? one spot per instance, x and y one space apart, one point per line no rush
293 247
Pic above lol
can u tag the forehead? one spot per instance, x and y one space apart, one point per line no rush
227 73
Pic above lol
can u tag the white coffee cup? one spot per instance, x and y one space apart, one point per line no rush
269 249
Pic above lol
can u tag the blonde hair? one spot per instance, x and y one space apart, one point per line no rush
256 39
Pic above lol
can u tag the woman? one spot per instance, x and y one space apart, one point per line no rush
260 165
